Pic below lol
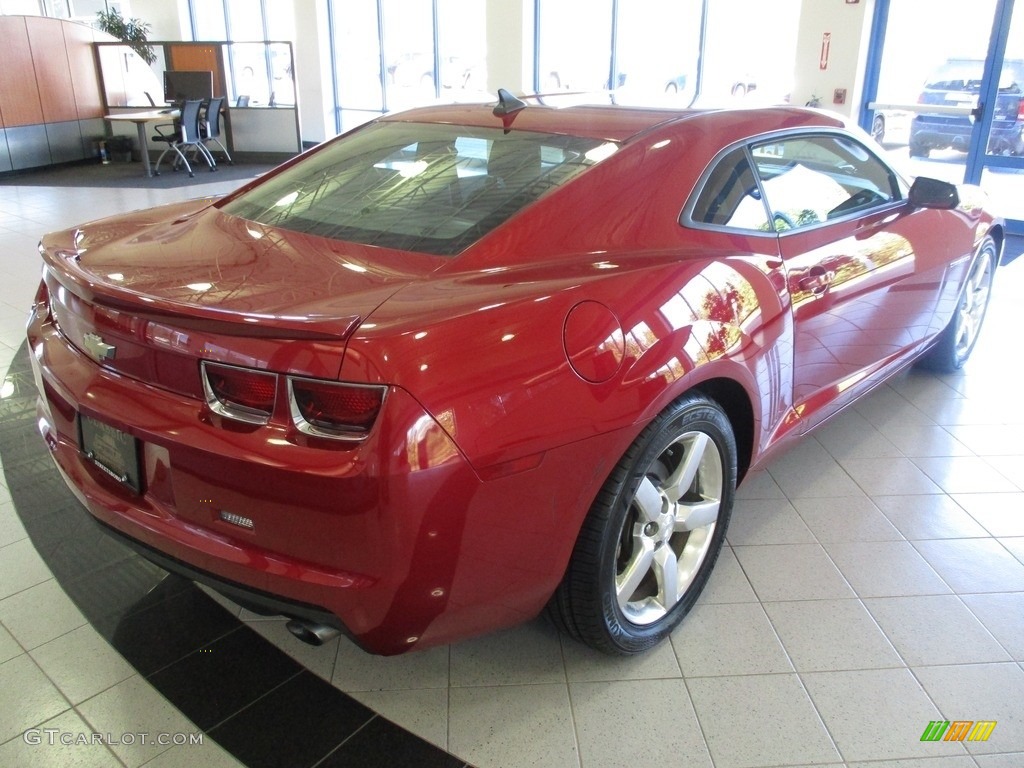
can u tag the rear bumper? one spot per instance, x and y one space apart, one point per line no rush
396 540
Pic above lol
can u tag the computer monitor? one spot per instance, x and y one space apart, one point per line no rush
186 84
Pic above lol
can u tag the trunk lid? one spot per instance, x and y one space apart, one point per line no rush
170 287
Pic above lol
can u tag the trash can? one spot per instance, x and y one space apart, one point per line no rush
119 148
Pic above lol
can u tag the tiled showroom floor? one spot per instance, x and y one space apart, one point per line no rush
873 582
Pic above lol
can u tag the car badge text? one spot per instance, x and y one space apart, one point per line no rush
98 348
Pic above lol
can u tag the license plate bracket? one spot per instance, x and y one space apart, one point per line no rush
114 452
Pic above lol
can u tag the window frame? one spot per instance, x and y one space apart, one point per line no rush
686 218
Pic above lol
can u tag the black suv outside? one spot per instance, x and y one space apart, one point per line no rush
957 83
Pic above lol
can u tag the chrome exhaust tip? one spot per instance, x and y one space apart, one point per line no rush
312 633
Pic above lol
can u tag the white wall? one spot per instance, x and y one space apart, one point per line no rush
849 27
168 19
510 45
313 70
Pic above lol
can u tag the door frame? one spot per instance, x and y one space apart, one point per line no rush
977 158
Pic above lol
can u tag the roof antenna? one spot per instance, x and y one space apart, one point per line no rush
507 104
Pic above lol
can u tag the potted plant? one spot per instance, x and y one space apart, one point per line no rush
131 31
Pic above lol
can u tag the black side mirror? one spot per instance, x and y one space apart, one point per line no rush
932 193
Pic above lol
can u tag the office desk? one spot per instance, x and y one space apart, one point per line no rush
141 119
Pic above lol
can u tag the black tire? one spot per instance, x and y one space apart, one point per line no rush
613 596
956 342
918 150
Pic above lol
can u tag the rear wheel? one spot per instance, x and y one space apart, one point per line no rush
650 540
957 340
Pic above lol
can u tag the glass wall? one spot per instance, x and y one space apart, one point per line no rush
397 54
574 45
259 73
657 45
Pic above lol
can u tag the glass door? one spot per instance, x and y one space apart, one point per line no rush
945 94
998 162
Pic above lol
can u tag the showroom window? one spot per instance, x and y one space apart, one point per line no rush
646 50
397 54
259 71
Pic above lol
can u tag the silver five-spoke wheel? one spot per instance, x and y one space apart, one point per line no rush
669 528
956 342
651 538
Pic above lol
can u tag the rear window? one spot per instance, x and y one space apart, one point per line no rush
418 187
965 75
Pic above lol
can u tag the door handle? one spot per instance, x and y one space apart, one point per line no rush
817 280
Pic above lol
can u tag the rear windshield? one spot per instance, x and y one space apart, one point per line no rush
417 187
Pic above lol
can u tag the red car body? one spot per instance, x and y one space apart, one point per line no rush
514 374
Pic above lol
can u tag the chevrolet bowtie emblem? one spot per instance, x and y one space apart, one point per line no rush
98 348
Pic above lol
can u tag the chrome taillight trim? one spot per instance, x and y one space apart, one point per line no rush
307 428
236 412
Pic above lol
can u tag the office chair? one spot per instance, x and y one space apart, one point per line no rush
209 127
184 133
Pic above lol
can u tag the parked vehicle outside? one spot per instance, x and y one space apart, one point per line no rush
957 83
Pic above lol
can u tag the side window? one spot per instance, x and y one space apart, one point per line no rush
808 180
730 197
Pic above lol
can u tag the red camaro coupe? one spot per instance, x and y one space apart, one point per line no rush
468 362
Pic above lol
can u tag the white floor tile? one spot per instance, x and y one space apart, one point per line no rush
40 614
852 518
133 707
27 697
767 521
792 572
1002 514
585 665
831 635
530 653
532 722
1003 616
885 568
974 565
889 477
876 714
728 583
734 639
21 567
760 720
42 746
929 517
82 664
980 692
619 721
934 630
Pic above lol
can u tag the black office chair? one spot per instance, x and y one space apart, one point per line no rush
183 134
209 127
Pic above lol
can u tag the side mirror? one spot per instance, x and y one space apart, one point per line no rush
932 193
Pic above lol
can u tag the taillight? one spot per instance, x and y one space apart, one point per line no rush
330 409
240 393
